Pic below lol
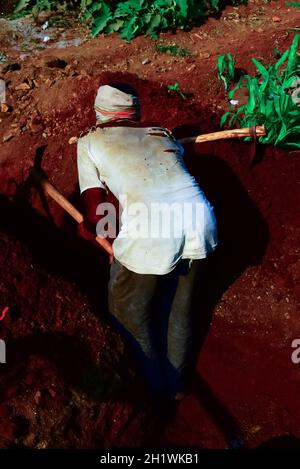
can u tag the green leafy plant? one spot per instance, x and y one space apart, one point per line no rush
173 49
293 4
36 6
134 17
269 100
225 66
131 18
177 89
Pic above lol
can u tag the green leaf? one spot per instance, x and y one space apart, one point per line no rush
224 118
183 7
155 21
293 4
268 100
114 26
21 5
293 54
129 29
261 68
282 59
101 21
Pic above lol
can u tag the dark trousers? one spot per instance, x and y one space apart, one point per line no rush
154 312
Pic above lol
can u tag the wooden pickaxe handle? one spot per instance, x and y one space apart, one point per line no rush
50 190
254 131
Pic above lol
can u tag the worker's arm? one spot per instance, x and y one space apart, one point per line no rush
92 189
90 199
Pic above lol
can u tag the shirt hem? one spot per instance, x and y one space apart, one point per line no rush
160 271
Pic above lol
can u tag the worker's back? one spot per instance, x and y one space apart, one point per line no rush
144 168
143 163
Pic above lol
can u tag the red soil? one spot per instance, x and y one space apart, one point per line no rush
63 385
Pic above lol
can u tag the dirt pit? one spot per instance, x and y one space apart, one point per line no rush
69 380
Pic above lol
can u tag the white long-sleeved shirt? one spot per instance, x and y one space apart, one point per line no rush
165 215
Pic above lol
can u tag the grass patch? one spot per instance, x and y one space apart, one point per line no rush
173 49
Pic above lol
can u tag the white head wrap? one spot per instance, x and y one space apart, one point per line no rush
113 104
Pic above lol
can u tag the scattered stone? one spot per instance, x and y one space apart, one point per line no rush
276 19
73 140
22 87
42 445
49 82
146 61
4 108
260 30
7 137
3 57
204 55
37 397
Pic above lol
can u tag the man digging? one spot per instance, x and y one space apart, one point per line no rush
167 230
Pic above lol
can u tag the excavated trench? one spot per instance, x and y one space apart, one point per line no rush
69 380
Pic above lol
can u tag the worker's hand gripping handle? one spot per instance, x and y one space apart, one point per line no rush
49 189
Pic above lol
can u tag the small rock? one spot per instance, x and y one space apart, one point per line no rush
37 397
192 67
4 107
73 140
22 87
146 61
49 82
260 30
7 137
45 25
276 19
42 445
204 55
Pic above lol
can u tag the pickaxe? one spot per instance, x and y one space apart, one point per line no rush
40 179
